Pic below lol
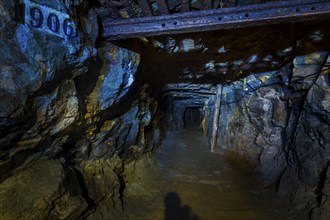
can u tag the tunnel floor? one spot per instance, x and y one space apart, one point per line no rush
183 180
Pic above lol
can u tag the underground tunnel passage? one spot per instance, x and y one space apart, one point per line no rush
95 127
192 117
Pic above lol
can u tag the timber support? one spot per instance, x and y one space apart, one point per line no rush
216 114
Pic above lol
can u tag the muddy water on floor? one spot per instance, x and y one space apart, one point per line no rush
184 180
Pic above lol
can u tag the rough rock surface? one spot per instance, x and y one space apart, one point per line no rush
71 113
282 130
37 193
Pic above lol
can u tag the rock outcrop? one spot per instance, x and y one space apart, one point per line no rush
71 114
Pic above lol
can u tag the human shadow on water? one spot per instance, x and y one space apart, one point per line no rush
174 210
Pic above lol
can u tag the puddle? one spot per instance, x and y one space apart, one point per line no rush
200 184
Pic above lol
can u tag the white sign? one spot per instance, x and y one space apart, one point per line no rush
48 20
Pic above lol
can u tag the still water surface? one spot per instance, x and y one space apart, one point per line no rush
184 180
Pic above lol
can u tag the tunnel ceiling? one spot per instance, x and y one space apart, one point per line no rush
226 55
222 52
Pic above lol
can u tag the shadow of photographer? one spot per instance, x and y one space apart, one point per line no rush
174 210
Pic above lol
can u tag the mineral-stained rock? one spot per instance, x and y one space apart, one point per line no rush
135 176
41 191
59 108
30 59
304 69
115 78
104 184
68 207
279 113
55 112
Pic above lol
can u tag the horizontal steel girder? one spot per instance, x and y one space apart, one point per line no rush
222 18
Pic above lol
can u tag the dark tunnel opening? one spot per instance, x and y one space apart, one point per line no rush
192 117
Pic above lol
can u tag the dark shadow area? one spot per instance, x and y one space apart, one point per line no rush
175 211
224 55
192 117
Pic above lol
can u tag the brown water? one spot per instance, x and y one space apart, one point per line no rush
184 180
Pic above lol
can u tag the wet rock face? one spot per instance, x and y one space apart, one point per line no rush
39 59
116 77
37 193
276 129
71 113
282 128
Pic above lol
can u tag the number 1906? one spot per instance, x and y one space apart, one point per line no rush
53 22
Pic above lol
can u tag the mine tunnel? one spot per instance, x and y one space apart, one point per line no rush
172 110
192 117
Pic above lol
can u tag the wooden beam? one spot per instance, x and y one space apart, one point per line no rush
216 114
222 18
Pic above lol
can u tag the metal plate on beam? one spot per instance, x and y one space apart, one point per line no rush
222 18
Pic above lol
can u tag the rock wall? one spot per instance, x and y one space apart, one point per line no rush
72 113
278 122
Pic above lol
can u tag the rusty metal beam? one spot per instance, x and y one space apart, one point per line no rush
222 18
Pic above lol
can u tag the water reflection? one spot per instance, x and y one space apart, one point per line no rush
184 172
174 210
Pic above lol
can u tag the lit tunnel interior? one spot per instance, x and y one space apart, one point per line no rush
99 129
